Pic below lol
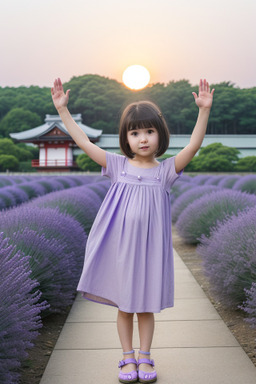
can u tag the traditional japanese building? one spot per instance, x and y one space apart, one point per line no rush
56 146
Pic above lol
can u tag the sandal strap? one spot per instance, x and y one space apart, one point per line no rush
129 353
126 361
144 353
146 361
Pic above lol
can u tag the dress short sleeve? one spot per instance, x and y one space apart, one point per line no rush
169 173
115 163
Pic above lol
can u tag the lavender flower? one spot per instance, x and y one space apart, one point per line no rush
82 203
188 197
228 181
34 186
200 179
249 305
214 180
49 222
180 187
7 197
229 257
246 184
52 266
19 310
208 210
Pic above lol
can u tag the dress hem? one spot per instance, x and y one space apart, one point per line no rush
123 310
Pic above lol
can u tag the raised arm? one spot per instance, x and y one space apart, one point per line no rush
60 100
204 102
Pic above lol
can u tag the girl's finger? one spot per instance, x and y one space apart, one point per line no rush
195 95
200 85
205 85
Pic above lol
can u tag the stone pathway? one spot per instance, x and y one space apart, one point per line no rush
191 343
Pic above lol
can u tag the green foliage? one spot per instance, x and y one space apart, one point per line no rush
9 162
219 149
101 100
18 120
246 164
21 151
85 163
215 157
25 166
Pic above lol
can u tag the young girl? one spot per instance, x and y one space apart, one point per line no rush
128 259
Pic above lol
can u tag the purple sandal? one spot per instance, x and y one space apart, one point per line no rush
130 377
146 377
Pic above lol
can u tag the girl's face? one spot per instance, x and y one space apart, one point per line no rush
143 142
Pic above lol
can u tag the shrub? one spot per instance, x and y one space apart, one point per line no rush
19 310
228 181
33 189
4 180
200 179
8 200
55 269
82 203
85 163
246 184
8 162
229 256
246 164
179 188
214 180
205 212
49 222
188 197
214 157
249 305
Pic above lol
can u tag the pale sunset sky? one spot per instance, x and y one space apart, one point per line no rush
175 39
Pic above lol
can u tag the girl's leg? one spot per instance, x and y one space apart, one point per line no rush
146 324
125 331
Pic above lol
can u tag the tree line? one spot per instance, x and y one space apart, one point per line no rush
101 100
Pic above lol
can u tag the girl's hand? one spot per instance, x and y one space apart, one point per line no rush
205 95
59 98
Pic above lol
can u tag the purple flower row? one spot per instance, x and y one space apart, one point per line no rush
25 190
215 213
19 310
240 183
50 233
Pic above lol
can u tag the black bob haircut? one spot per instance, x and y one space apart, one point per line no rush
143 114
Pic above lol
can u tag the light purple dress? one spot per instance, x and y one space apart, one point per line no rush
129 256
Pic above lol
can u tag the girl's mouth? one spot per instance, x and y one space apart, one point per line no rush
144 147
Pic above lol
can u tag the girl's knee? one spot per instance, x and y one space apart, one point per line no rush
126 315
143 314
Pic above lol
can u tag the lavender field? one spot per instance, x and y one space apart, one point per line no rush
218 214
45 222
44 226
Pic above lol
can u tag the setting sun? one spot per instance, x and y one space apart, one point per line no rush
136 77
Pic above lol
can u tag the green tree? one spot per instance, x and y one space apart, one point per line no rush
18 120
20 151
85 163
8 162
215 157
246 164
219 149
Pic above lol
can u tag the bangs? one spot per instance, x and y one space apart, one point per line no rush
139 115
140 124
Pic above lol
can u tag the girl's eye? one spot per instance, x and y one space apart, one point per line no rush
150 131
134 133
